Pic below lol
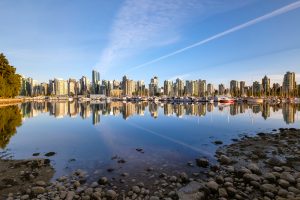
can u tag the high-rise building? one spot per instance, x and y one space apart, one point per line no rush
221 89
95 82
202 88
140 88
84 85
168 88
153 86
210 89
257 89
128 86
179 87
72 87
289 84
242 88
60 87
266 86
234 88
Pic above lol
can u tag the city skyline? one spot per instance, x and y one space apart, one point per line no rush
99 35
288 87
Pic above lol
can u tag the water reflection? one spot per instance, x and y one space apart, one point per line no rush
129 109
10 119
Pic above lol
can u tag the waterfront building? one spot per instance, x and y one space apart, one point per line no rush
256 87
202 88
221 90
179 87
289 84
84 85
140 88
43 89
72 87
153 86
168 88
242 88
95 82
266 86
128 86
210 89
234 88
60 87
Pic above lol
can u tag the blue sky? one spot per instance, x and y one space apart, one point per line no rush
53 38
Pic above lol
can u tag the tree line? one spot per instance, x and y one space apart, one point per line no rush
10 81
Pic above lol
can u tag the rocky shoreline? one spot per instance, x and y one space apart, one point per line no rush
266 166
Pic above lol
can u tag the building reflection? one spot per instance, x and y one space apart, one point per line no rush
129 109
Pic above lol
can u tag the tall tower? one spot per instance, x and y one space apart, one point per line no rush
266 85
289 84
95 81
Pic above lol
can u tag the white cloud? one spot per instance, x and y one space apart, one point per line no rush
275 13
143 24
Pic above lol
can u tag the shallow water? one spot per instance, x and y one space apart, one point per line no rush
88 135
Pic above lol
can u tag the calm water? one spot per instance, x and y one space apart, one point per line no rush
87 135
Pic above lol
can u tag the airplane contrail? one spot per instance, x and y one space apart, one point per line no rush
272 14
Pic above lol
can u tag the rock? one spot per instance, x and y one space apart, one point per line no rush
251 177
268 188
191 191
136 189
224 160
212 185
254 168
173 178
202 162
40 183
88 191
70 195
282 192
283 183
231 191
35 154
184 177
110 169
294 190
38 190
94 184
49 154
122 161
222 192
278 169
255 184
218 142
241 171
96 195
111 194
103 181
24 197
220 179
288 177
275 161
270 177
154 198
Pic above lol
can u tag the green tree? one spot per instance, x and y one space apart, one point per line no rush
10 82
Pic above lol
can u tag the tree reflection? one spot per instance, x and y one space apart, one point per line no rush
10 119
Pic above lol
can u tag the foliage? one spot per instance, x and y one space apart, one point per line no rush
10 118
10 82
